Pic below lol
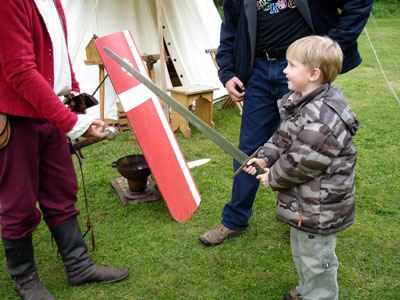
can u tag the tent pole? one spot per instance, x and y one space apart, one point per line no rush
162 54
101 78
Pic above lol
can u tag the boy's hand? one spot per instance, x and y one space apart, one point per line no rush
252 170
264 179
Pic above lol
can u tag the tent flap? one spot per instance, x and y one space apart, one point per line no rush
190 27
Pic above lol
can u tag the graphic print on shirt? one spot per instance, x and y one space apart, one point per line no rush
274 6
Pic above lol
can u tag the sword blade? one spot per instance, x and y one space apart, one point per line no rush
216 137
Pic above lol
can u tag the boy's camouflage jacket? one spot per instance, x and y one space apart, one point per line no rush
312 159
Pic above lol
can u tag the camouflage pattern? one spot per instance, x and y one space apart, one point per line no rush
312 159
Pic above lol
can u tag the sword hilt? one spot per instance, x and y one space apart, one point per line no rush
258 168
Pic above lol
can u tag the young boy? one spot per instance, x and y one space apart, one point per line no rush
310 160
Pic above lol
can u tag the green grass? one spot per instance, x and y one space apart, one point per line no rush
386 8
165 257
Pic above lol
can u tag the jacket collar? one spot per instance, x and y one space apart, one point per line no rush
294 101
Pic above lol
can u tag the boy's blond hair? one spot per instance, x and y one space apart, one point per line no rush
318 52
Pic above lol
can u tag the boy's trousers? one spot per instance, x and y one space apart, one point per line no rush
316 263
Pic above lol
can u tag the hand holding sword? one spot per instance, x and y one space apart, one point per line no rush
253 166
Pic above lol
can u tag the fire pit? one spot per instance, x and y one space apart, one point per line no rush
135 185
135 169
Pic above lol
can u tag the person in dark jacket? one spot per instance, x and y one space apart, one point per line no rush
254 37
37 175
310 160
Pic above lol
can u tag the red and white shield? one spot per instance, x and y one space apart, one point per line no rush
151 128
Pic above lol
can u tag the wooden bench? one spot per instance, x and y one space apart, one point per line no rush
202 95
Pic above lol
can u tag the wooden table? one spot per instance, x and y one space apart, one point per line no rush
186 95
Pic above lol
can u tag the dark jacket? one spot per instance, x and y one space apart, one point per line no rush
236 52
312 159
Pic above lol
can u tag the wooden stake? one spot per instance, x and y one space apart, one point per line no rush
101 77
162 54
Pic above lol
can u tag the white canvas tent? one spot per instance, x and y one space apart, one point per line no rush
190 27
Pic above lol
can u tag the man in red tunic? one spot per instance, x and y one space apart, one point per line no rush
36 165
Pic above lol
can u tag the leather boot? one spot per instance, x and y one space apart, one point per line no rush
21 266
79 266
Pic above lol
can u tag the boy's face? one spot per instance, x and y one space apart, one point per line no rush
298 76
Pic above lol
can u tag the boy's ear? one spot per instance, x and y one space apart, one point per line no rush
315 74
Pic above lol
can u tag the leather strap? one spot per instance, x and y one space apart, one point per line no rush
89 224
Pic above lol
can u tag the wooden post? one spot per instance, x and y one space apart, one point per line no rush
101 77
150 60
93 58
162 54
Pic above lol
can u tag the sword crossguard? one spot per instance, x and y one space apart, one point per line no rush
258 168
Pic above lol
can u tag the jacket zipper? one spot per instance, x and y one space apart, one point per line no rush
300 202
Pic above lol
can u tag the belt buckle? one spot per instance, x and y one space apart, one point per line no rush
269 58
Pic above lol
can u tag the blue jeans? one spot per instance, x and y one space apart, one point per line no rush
260 119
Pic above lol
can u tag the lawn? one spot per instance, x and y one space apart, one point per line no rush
165 257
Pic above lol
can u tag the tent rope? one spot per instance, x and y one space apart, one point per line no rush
384 43
380 65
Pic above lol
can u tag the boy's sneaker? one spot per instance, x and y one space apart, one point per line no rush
218 235
293 295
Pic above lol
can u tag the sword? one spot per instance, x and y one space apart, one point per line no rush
241 157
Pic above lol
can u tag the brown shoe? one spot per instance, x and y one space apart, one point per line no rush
218 235
293 295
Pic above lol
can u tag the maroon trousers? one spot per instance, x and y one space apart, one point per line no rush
35 167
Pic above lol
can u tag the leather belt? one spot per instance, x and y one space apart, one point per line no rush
271 54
